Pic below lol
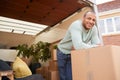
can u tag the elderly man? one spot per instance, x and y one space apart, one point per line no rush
80 35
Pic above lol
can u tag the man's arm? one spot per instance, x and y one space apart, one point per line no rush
76 35
95 37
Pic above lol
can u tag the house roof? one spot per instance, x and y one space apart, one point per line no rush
44 12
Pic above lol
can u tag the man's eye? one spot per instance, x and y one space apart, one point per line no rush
94 20
89 18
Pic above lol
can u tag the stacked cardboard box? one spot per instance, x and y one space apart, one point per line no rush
43 71
53 67
54 54
53 75
100 63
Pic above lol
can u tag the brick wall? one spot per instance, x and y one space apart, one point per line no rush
109 6
111 40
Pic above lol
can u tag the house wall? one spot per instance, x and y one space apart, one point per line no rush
108 10
8 40
112 39
108 14
112 5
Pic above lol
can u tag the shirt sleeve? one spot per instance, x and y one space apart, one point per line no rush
95 38
76 36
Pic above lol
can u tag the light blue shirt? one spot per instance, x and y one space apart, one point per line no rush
79 38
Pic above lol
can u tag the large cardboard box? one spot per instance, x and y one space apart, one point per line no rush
100 63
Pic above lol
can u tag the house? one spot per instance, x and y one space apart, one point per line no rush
109 22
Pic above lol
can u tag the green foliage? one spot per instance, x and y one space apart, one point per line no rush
55 46
39 51
23 50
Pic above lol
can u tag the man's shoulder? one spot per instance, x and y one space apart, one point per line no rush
77 21
76 25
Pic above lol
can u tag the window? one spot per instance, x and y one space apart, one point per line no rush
102 27
109 25
117 23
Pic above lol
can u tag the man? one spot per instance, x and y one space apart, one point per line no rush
80 35
4 67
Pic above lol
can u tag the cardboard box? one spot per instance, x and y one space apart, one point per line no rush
43 71
53 75
8 54
53 66
54 54
100 63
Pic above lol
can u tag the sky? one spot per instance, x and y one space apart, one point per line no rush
102 1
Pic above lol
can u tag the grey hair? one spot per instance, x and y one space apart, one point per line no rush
88 12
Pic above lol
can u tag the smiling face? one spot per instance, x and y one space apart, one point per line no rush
89 20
